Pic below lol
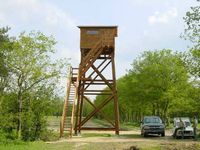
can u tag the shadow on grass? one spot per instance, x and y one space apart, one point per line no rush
96 135
135 136
130 136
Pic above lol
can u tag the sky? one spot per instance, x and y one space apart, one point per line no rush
142 24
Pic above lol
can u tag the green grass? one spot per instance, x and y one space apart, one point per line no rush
129 126
53 118
96 135
38 146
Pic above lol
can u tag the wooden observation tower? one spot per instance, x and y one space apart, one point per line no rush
95 76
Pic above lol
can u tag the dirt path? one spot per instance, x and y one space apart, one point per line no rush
125 136
107 140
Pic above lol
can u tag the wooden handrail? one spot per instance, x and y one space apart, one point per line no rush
74 103
92 51
91 57
62 122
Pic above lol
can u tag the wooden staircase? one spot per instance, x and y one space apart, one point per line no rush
90 58
67 120
75 76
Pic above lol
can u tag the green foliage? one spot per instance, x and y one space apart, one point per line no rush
192 20
192 33
192 63
161 79
108 109
87 108
4 48
31 79
157 84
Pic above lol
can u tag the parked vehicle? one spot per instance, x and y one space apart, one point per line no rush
152 125
186 131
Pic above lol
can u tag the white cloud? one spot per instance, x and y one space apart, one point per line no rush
35 12
42 15
2 18
73 54
164 17
144 2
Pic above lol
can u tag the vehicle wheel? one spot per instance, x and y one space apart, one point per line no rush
163 134
142 132
145 134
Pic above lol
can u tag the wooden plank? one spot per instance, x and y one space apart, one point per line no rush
96 110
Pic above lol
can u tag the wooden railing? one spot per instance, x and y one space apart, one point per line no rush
64 114
92 55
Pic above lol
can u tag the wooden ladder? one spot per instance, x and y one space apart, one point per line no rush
67 119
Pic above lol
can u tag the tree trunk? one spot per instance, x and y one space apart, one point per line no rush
165 113
158 109
19 99
19 126
153 110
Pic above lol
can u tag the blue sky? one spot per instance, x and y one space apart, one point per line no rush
143 24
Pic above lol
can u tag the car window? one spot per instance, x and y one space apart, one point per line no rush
186 123
152 120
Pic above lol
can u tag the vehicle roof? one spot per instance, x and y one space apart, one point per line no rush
182 118
151 117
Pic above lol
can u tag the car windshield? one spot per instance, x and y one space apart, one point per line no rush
152 120
186 123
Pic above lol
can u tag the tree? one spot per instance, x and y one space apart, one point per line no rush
162 78
6 99
192 58
31 69
192 30
192 33
4 48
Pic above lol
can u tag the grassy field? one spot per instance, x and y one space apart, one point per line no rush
37 146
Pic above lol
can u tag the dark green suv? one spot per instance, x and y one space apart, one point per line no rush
152 125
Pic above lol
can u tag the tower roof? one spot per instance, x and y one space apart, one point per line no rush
97 26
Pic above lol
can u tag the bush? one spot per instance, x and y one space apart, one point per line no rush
49 135
9 138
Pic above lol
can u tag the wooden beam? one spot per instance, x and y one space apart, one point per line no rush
96 110
103 78
100 112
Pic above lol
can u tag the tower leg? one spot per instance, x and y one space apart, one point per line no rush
77 113
81 109
116 107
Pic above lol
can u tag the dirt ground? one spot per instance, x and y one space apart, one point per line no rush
107 140
127 139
